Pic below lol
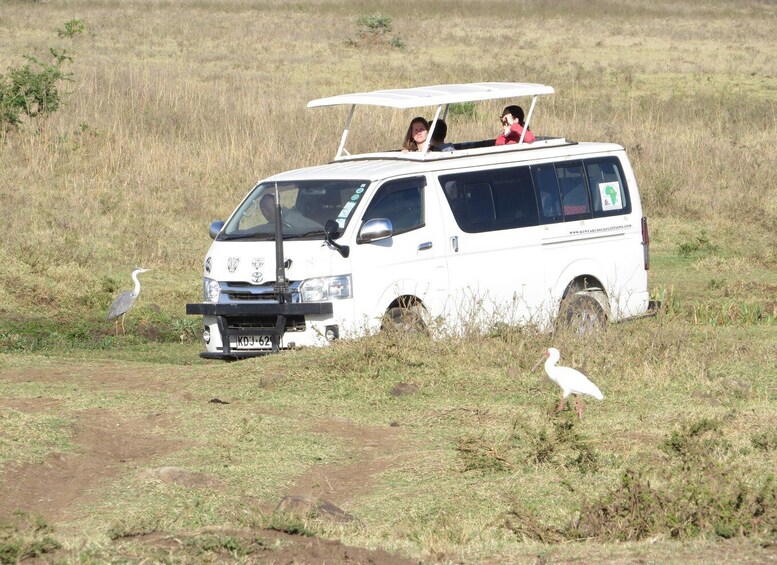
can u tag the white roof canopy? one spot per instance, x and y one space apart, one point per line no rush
441 96
436 95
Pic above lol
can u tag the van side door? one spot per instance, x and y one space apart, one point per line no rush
494 261
409 263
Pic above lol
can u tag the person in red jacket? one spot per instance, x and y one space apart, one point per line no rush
512 120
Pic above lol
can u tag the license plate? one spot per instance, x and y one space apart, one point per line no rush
250 342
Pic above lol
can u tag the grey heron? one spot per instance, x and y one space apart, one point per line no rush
125 301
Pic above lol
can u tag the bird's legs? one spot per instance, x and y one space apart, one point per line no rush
116 327
123 331
579 407
560 407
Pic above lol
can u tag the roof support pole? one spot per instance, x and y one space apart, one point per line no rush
346 129
528 119
431 129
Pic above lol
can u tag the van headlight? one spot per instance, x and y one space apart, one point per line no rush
211 290
325 288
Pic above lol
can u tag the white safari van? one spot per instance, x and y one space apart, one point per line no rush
523 233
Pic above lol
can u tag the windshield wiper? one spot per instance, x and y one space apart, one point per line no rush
301 235
258 235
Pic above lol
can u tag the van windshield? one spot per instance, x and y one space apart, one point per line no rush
305 208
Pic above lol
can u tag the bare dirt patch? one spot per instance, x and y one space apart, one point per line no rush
376 449
109 445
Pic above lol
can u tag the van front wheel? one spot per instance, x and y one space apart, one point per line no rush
581 313
404 319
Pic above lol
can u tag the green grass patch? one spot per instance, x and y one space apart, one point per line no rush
30 437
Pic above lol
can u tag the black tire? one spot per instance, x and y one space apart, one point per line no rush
581 313
404 319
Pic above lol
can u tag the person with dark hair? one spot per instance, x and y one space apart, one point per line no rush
513 125
438 138
415 138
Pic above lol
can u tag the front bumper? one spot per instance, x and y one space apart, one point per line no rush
270 319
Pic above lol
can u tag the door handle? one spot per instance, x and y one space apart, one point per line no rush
424 246
455 243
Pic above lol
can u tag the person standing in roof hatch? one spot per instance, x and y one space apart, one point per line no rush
513 125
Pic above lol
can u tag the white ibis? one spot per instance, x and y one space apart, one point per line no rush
570 380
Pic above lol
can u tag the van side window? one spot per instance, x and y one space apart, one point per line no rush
609 193
574 191
547 190
498 199
401 202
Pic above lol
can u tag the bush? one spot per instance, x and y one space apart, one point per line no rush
373 30
31 90
71 29
375 24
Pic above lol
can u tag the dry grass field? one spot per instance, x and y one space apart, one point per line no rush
131 448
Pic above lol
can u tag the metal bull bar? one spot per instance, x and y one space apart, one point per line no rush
226 312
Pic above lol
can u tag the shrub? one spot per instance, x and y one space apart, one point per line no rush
373 30
463 109
700 244
31 90
71 29
375 24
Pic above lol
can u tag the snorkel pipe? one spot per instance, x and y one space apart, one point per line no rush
281 283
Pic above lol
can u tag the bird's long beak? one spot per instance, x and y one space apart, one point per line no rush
538 363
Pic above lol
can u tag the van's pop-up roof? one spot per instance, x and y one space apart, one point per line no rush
440 96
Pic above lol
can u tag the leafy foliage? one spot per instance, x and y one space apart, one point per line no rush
373 28
374 24
699 244
463 110
71 29
32 89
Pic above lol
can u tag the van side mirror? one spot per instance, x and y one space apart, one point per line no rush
330 232
215 228
375 230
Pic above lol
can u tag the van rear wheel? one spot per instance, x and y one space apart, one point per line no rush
581 313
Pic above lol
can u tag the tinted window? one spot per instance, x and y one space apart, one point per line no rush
492 200
608 188
575 203
402 202
547 189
